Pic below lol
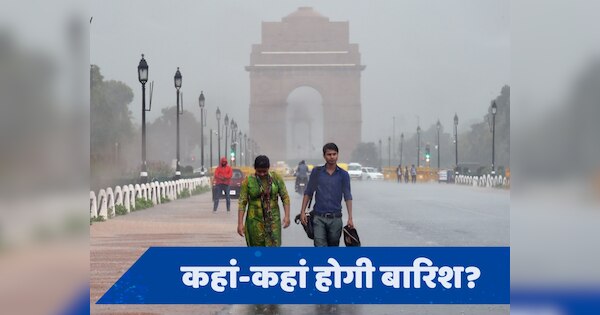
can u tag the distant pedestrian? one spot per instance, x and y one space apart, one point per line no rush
413 173
406 174
222 179
399 173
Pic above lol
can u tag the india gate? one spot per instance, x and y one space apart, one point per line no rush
305 87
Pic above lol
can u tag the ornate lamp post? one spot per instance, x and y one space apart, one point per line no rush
143 77
201 104
401 144
178 112
494 110
239 148
389 151
456 142
245 149
211 149
226 131
231 149
218 134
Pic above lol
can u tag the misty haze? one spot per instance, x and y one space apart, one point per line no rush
313 77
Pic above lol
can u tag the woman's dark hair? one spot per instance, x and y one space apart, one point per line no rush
330 146
261 161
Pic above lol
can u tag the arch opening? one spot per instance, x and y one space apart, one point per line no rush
304 121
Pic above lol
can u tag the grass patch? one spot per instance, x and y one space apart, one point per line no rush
183 194
141 204
97 219
120 210
200 190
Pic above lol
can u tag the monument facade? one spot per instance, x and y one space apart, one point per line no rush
305 49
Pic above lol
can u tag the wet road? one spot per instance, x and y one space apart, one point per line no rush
391 214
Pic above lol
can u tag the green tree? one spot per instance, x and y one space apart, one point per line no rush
162 144
476 145
111 128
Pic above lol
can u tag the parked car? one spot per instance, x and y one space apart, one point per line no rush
370 173
355 171
236 183
202 171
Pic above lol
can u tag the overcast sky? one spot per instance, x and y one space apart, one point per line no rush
425 59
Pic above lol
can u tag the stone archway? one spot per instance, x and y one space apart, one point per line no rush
305 49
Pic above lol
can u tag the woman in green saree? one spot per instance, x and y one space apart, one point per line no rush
259 195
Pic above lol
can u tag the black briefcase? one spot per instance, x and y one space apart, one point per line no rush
351 238
308 228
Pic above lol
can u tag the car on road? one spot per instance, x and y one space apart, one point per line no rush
202 171
355 171
235 186
370 173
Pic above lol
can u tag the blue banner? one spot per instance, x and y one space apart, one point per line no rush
308 275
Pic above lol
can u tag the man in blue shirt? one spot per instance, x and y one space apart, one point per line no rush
330 183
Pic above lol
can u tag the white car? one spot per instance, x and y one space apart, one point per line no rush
370 173
201 170
355 171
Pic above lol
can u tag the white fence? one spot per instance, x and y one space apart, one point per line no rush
103 203
483 181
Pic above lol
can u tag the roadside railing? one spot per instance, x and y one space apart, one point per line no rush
104 203
497 181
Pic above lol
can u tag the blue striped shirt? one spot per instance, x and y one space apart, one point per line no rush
329 189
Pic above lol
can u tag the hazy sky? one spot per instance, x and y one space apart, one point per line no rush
425 59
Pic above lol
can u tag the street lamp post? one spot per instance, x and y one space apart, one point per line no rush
211 150
438 126
143 77
201 104
177 79
389 151
418 146
401 144
232 127
234 142
456 142
218 132
239 148
494 110
380 153
226 126
245 149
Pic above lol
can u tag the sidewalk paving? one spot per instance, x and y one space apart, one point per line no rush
118 242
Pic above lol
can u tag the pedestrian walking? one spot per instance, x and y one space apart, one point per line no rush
222 179
259 197
399 173
406 174
413 173
330 183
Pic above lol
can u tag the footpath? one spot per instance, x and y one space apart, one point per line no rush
118 242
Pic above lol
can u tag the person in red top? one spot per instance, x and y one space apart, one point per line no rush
222 180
